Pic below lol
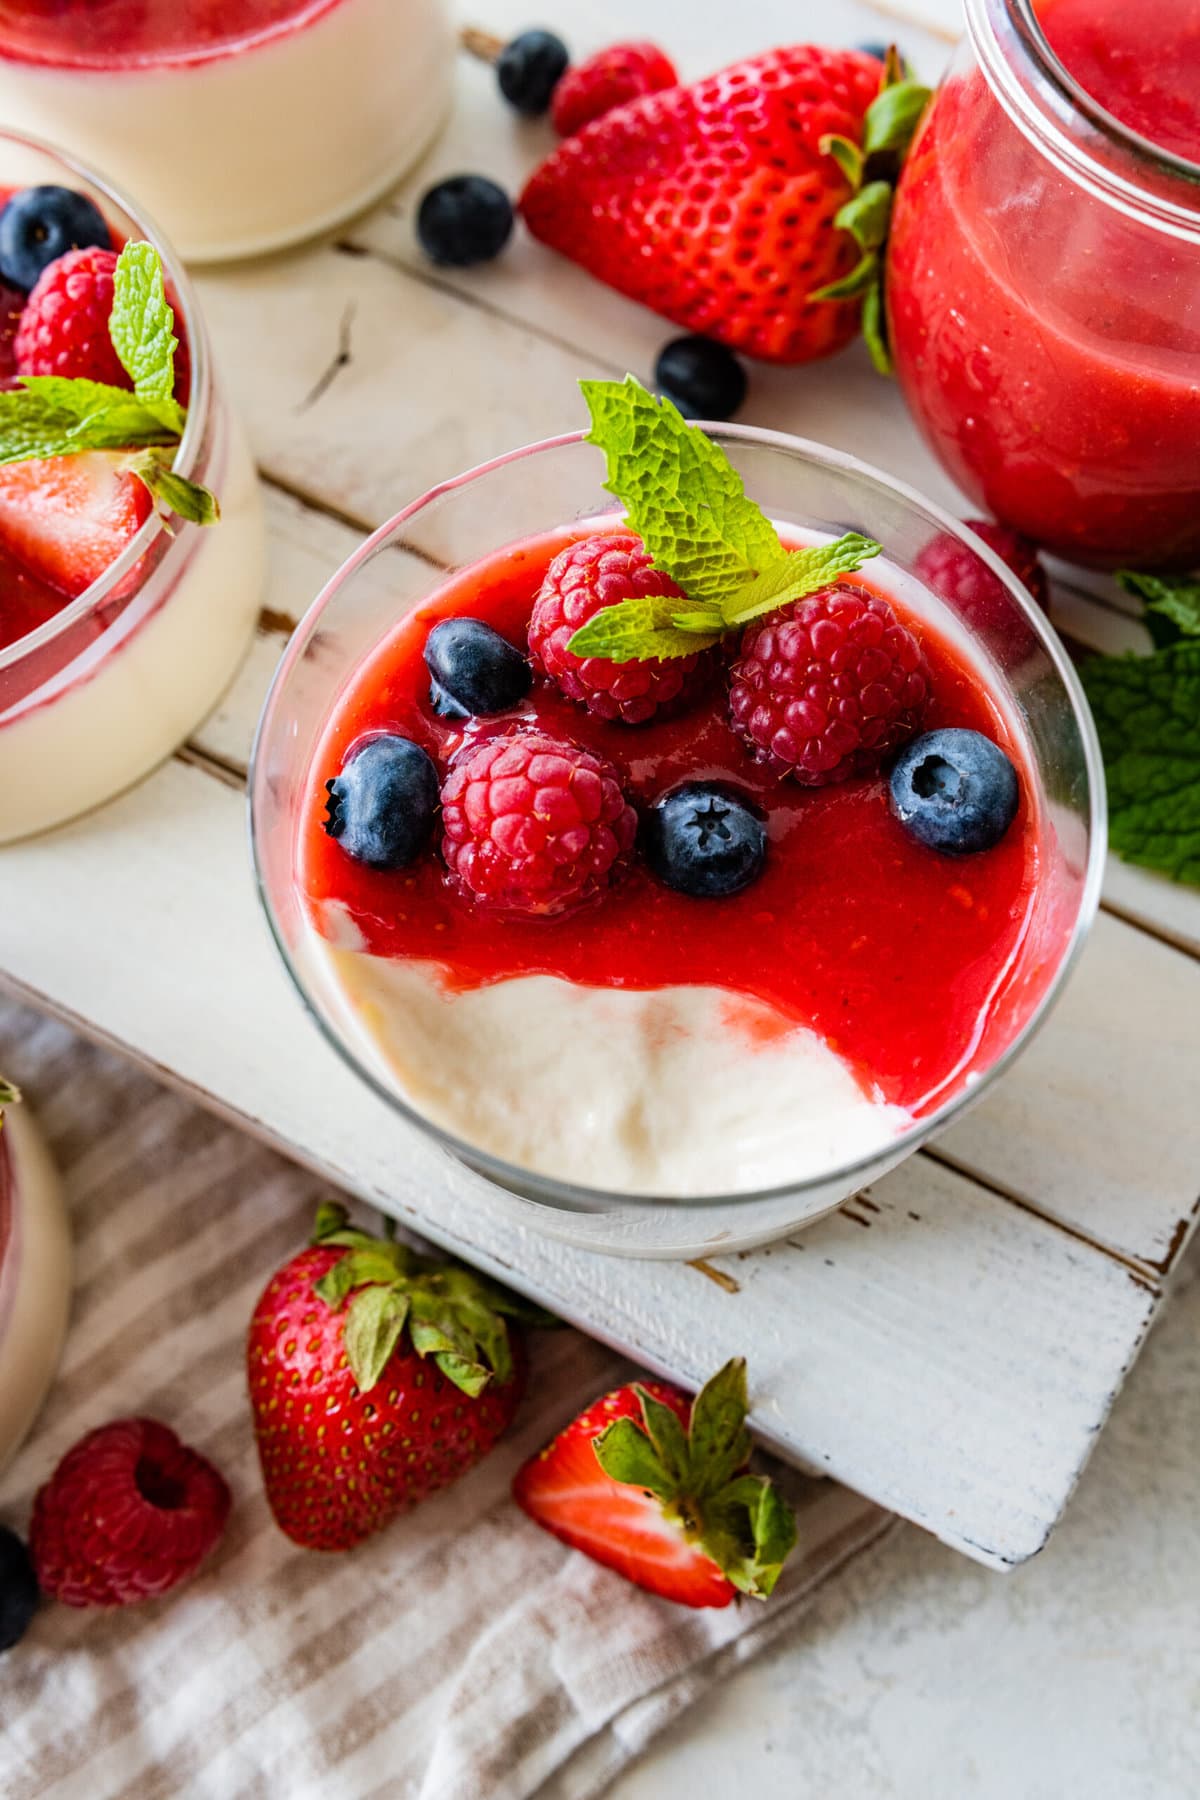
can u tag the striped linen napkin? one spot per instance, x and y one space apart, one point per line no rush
461 1655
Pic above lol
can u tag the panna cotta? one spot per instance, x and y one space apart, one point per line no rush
243 125
35 1275
122 618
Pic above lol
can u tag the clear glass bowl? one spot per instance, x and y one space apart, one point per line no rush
533 491
35 1275
243 127
112 684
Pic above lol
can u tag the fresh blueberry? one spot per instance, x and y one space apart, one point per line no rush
703 379
529 69
955 791
18 1589
705 839
40 224
464 220
381 807
475 671
880 51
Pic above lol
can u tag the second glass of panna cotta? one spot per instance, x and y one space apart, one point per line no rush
657 1070
244 125
1044 275
119 628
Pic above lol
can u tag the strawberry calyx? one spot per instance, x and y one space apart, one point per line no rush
699 1476
451 1314
872 170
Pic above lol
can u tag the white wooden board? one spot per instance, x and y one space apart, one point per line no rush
952 1341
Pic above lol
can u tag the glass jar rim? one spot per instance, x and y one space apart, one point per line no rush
305 13
199 410
1050 125
573 1195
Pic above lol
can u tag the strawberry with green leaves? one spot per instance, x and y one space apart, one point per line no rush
658 1488
83 462
376 1377
751 207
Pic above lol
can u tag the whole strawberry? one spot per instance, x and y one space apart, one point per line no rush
623 72
583 579
656 1487
127 1515
376 1378
716 204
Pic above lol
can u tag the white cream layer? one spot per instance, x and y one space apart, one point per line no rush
35 1282
680 1091
263 146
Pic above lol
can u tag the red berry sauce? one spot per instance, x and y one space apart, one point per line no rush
128 34
914 967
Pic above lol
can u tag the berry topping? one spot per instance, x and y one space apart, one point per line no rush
39 225
463 220
18 1589
475 672
381 806
955 791
825 688
128 1514
704 380
534 824
529 69
656 1487
64 327
376 1377
67 518
581 581
610 78
953 570
706 839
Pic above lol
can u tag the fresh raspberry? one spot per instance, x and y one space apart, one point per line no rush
825 687
64 327
534 824
610 78
128 1514
598 572
953 571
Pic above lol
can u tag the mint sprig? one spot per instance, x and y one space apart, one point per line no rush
52 415
1147 712
9 1096
687 503
872 170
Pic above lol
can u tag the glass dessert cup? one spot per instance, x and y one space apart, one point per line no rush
806 490
1044 302
245 126
35 1276
113 682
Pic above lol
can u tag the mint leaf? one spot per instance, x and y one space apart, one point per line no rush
142 328
644 630
175 493
9 1095
800 572
683 496
1147 712
1172 604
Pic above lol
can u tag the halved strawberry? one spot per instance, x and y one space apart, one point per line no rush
655 1486
67 518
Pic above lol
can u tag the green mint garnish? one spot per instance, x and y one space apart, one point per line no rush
872 169
686 501
1147 711
9 1096
51 415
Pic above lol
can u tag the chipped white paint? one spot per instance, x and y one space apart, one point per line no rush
951 1343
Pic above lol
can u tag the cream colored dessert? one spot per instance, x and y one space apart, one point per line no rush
35 1277
676 1091
262 142
142 685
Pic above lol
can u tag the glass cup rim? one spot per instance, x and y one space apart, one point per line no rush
198 413
575 1196
1072 156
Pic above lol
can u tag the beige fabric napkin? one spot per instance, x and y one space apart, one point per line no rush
462 1655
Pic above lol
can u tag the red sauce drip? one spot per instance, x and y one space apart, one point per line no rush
904 961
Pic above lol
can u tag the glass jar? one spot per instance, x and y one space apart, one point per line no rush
805 488
114 681
1044 303
244 126
35 1275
